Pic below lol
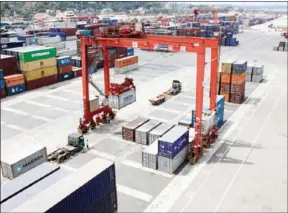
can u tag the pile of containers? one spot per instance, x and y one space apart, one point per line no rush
92 188
158 132
15 84
8 65
52 42
282 46
38 64
142 133
233 78
126 64
255 73
172 149
77 66
65 70
128 130
24 158
150 156
229 40
12 44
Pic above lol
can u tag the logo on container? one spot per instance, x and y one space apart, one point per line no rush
40 54
32 161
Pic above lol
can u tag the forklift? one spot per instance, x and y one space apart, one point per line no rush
76 143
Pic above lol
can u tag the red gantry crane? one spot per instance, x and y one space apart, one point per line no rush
176 44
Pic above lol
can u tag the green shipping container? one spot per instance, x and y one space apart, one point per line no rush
35 55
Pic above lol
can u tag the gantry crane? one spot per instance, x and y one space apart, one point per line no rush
176 44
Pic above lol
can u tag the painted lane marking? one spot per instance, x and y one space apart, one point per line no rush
16 111
57 97
38 104
41 118
134 193
12 126
68 168
103 154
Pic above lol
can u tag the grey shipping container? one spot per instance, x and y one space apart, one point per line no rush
170 165
128 130
81 191
249 69
26 180
122 100
150 156
24 158
142 133
258 69
159 131
34 190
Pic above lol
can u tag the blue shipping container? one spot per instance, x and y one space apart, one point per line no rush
130 51
173 142
13 44
220 118
1 74
220 102
64 60
78 63
55 29
239 66
2 84
13 90
66 76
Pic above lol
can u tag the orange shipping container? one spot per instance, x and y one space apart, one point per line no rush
238 79
13 80
225 78
226 95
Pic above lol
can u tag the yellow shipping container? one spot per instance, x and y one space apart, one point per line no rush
39 64
40 73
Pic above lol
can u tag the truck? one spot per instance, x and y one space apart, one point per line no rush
175 90
75 144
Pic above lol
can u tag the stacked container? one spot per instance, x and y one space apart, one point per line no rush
238 80
220 110
15 84
172 149
255 73
249 72
225 79
150 156
65 70
186 121
282 46
55 42
158 132
142 133
38 64
14 44
128 130
92 188
112 56
8 65
130 52
126 64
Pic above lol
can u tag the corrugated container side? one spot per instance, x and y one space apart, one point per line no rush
37 54
142 133
17 89
3 93
128 130
122 100
40 73
39 64
159 131
65 68
66 76
64 60
45 81
14 80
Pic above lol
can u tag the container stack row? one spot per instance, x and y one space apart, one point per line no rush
229 40
55 42
282 46
64 65
232 81
255 73
126 64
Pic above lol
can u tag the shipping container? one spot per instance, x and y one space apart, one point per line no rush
258 69
170 165
122 100
227 66
3 93
34 53
159 131
238 78
13 80
225 78
48 40
239 66
173 141
67 51
2 84
77 71
24 158
186 121
17 185
150 156
41 82
39 64
8 64
128 130
58 46
225 87
64 60
249 69
66 76
142 133
124 69
40 73
85 190
121 52
76 61
65 69
94 104
7 45
129 51
226 95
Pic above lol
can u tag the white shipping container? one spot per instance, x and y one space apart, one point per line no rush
159 131
275 47
16 160
48 40
58 46
258 69
122 100
71 38
257 78
121 70
169 165
150 156
249 68
142 133
67 52
248 78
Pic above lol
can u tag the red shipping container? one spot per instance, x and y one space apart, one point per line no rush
41 82
3 93
69 31
121 52
225 88
66 68
112 61
77 71
238 88
237 98
8 64
128 130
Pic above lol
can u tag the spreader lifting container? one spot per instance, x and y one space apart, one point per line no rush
92 188
122 100
159 131
173 142
23 159
142 133
128 130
